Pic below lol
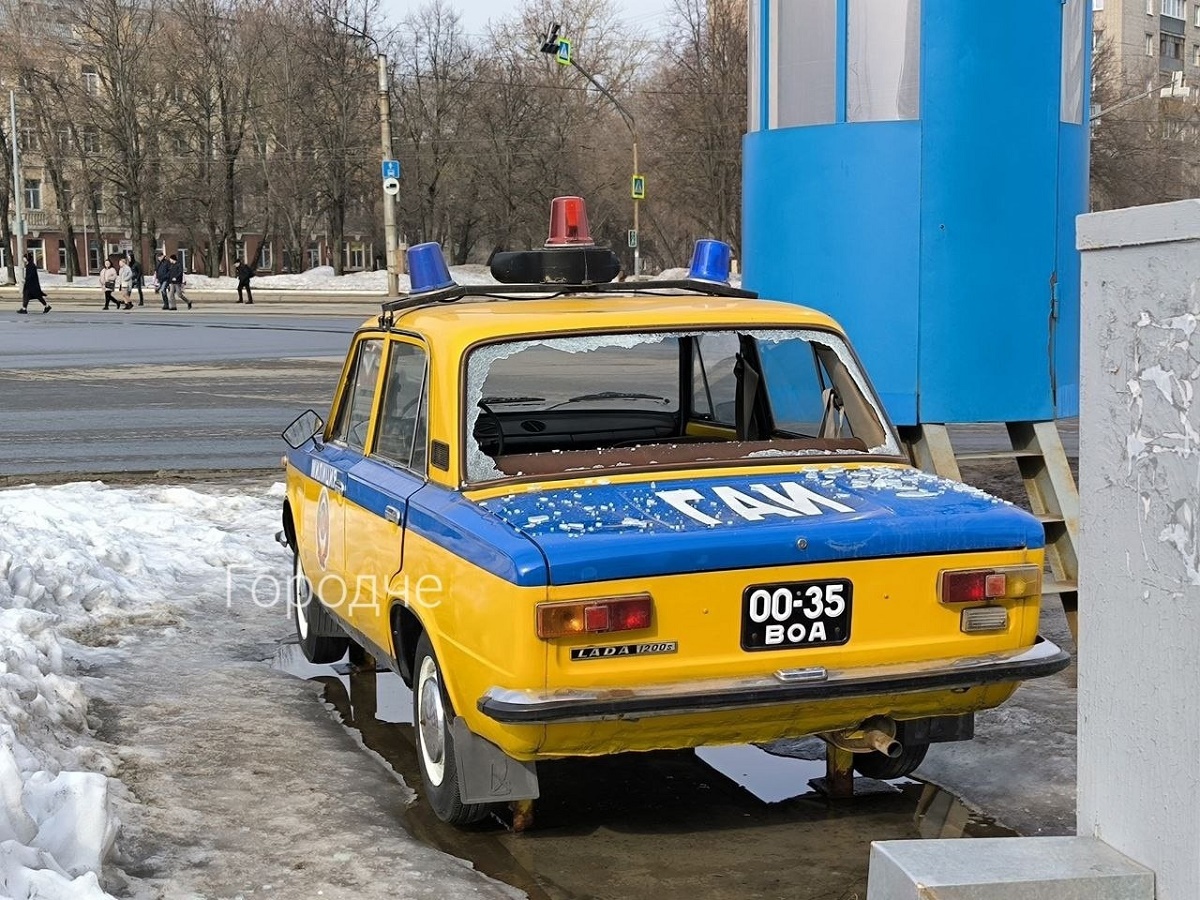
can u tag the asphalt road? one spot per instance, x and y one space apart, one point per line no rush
147 390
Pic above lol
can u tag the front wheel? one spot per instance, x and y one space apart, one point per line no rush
883 767
310 617
432 715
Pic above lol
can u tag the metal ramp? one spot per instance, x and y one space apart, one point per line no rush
1037 449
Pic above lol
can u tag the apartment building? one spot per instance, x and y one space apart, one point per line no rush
1146 101
1154 42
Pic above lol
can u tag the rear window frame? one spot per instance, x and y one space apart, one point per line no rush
465 435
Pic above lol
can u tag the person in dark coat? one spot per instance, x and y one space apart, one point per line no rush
32 288
244 274
139 279
175 276
162 274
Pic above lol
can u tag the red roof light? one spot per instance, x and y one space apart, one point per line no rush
568 223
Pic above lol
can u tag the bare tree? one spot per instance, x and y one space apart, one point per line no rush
116 36
1146 138
218 46
699 104
433 80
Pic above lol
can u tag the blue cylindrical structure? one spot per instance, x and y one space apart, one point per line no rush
711 261
914 168
427 269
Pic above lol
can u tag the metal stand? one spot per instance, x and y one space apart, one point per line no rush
1053 496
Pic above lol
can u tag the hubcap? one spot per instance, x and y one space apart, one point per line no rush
431 722
301 597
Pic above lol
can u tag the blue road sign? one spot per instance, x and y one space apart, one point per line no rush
391 168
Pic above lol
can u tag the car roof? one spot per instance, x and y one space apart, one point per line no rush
470 320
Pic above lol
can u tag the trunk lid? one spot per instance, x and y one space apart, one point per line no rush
668 526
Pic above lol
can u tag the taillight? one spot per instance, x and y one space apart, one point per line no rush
594 616
979 585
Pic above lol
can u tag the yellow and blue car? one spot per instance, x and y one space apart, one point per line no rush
580 517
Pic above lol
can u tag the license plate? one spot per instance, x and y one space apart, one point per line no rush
796 614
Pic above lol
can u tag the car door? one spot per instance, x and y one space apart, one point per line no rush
343 448
380 485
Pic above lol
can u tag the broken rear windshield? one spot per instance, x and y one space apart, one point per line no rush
556 405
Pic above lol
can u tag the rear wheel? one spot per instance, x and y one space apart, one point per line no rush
432 715
310 617
878 765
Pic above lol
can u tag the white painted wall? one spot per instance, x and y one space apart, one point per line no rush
1139 590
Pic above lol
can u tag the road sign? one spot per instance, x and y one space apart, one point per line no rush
638 187
391 169
564 52
391 186
633 238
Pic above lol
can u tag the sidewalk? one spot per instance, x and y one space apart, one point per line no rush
266 301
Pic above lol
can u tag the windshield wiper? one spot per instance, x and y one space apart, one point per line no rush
493 400
613 395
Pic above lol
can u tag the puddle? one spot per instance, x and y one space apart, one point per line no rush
718 822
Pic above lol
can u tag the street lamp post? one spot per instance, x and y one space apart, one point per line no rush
393 260
18 200
391 257
552 46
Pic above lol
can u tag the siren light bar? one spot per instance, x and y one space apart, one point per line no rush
568 223
711 261
427 269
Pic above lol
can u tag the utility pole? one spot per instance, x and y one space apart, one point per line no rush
18 199
393 260
561 50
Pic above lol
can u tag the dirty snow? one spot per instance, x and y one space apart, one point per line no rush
84 571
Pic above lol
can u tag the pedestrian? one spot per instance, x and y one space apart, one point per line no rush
176 279
162 277
125 282
244 274
32 289
108 281
139 278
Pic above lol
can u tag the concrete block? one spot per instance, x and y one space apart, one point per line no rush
1048 868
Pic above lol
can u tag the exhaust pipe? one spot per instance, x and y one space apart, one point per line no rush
883 742
876 734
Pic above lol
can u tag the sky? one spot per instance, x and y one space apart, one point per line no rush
642 15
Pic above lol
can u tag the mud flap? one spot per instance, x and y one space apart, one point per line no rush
322 621
486 774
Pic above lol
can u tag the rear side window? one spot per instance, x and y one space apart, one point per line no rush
401 430
354 416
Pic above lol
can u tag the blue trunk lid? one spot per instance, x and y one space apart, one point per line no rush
605 531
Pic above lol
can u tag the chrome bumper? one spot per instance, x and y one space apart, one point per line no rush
543 707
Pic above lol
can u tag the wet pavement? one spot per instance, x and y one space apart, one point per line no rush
719 822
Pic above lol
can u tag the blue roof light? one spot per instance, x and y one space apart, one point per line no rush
711 261
427 269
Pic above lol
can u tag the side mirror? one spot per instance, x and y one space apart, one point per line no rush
306 427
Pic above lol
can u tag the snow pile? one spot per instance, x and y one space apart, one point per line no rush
76 561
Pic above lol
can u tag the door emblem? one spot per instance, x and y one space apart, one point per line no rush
323 529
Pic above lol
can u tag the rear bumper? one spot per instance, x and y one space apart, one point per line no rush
543 707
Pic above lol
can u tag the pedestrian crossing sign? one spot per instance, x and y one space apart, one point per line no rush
638 187
564 52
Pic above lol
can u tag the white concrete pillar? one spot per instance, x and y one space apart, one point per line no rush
1139 554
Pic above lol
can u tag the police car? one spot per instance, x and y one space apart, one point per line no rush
580 517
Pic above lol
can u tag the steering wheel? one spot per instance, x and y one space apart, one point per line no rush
495 420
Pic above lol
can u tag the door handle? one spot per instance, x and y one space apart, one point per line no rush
392 514
339 486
